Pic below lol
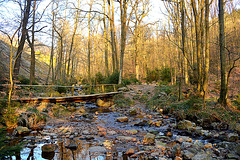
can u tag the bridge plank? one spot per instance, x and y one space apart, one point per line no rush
81 98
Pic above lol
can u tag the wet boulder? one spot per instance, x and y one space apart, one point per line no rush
81 110
198 145
201 156
71 108
126 138
208 145
232 156
132 131
232 137
132 111
108 144
149 139
143 122
122 119
97 149
182 139
130 151
155 123
187 154
123 89
72 146
176 150
185 124
237 149
48 148
86 132
111 132
161 145
228 145
237 127
101 103
186 145
20 130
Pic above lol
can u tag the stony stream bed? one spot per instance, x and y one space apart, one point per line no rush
100 133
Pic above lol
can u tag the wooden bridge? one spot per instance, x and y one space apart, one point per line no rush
100 89
81 98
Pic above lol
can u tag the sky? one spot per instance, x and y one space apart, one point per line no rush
10 10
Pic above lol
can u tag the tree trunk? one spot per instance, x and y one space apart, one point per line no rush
72 42
183 41
198 44
206 68
105 39
32 67
223 92
89 46
22 40
115 63
52 50
123 6
115 39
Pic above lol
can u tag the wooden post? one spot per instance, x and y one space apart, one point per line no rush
114 87
90 89
103 89
51 92
72 90
97 89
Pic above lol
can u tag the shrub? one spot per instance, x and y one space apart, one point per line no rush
165 74
35 83
84 81
135 81
23 80
10 117
166 89
153 75
62 89
99 78
126 81
131 81
113 78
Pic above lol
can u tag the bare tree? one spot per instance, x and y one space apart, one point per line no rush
23 37
123 9
105 39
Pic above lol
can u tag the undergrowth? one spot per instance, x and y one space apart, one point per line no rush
122 101
165 97
8 147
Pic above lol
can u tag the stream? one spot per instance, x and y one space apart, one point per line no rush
118 134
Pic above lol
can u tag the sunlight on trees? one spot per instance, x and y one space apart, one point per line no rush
119 36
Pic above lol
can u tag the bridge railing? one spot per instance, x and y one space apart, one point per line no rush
22 90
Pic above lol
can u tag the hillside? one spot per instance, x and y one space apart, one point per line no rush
42 57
